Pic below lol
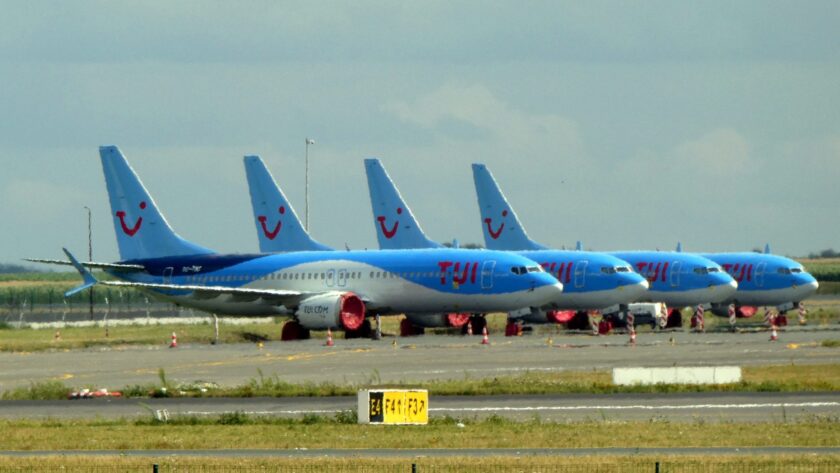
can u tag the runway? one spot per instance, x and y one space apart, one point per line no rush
711 407
410 359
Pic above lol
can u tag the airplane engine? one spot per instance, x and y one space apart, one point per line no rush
741 311
335 310
453 319
539 316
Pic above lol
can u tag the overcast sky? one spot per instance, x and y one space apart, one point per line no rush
628 125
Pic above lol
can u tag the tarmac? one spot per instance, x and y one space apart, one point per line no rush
409 359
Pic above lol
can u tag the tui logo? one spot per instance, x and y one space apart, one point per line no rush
385 231
489 221
272 234
131 231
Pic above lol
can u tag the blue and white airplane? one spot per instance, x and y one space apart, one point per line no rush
677 279
591 281
764 279
279 231
319 289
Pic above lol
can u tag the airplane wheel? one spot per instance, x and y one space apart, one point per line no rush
407 329
781 320
674 319
478 324
292 331
579 322
511 329
364 331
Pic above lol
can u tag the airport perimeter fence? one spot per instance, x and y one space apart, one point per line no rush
744 465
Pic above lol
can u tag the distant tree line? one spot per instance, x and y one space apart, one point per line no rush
829 253
16 268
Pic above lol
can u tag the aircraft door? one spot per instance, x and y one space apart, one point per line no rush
676 266
167 275
759 274
580 273
487 274
330 278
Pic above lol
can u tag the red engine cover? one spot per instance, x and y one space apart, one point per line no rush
457 320
560 316
746 311
351 312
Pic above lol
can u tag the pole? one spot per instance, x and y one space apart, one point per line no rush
90 258
309 141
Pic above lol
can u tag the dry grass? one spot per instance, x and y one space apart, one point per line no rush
635 463
493 432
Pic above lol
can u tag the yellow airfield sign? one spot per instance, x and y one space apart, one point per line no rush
393 406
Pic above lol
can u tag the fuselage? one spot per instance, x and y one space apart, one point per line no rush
765 279
680 279
590 280
439 280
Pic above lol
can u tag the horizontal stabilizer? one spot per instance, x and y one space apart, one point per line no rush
89 280
91 264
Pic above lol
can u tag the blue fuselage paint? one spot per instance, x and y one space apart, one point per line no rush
765 279
388 281
680 279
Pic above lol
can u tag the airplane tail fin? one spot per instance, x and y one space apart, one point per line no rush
396 227
501 227
278 226
142 231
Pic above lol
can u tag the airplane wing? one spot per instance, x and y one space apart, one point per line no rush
91 264
277 296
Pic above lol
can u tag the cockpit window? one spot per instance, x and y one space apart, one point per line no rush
535 269
519 270
701 270
713 269
795 270
622 269
783 271
608 270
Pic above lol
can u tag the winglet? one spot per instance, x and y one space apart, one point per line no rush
767 248
679 247
88 278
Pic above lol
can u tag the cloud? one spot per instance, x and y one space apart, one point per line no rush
720 153
496 123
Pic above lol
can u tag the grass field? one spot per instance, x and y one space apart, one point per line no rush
779 378
237 431
537 464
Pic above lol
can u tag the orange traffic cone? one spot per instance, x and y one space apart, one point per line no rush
773 334
632 337
485 340
329 338
174 342
469 328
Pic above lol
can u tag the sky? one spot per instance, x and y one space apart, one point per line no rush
624 124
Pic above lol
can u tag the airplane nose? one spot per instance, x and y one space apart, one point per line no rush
806 290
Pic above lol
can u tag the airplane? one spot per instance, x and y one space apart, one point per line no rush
591 281
676 279
279 230
764 279
317 289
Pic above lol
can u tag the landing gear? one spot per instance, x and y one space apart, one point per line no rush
364 331
781 319
581 321
674 319
293 330
478 323
513 328
408 329
215 330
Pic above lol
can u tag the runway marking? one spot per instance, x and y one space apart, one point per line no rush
550 408
638 407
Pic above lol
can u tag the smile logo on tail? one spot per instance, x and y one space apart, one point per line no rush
489 221
134 229
272 234
393 231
